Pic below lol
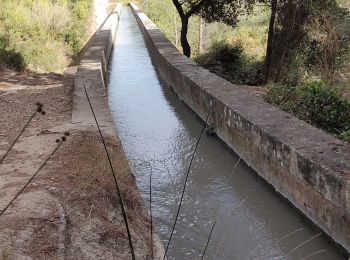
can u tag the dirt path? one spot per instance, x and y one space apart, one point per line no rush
70 210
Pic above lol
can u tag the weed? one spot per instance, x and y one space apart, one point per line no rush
315 103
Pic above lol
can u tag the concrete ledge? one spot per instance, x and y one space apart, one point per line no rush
91 75
307 166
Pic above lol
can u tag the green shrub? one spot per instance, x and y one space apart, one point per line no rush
42 35
283 96
75 33
251 32
315 103
230 62
13 60
221 57
324 107
9 57
345 136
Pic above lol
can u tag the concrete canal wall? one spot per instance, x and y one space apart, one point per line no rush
91 75
307 166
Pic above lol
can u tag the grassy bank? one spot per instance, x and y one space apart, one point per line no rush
42 35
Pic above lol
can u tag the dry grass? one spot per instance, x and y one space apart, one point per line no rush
77 178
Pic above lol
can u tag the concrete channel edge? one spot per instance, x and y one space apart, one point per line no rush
91 74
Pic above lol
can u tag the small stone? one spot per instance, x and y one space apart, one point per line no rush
53 190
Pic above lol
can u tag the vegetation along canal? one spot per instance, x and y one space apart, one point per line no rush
159 133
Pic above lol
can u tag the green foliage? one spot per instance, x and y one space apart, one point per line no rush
230 62
345 136
344 3
324 107
315 103
165 16
75 34
311 42
311 39
41 34
9 57
327 47
162 13
251 32
226 11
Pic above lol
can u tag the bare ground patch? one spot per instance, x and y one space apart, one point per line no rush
70 210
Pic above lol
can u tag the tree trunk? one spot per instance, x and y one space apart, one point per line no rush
286 45
184 42
176 29
269 49
201 36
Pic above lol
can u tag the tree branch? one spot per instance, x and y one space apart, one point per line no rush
179 9
195 8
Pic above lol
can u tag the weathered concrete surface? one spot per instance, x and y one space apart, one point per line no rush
91 75
307 166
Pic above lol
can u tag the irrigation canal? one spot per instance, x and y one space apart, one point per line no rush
158 132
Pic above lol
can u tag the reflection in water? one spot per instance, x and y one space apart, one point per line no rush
158 133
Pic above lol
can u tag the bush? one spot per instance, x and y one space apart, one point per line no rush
10 58
221 57
13 60
327 47
324 107
42 35
74 35
345 136
230 62
251 32
315 103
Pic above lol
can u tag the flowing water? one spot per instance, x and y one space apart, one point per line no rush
158 133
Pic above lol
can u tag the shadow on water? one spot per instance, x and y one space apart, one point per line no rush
158 131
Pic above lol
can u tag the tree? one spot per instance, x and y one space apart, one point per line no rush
289 34
225 11
328 43
314 30
201 36
269 48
